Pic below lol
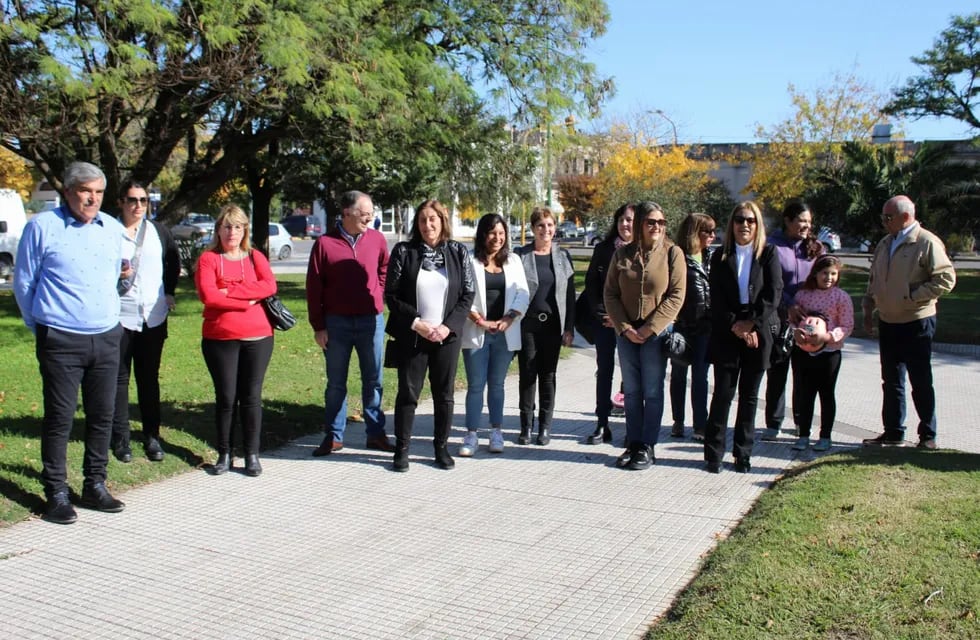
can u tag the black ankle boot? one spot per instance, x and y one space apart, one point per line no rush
253 467
525 437
222 464
544 436
602 433
401 460
443 459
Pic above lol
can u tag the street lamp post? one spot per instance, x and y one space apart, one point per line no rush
673 126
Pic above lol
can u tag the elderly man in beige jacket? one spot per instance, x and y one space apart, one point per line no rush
909 272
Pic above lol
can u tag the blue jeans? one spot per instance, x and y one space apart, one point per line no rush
907 349
345 334
486 367
644 368
699 383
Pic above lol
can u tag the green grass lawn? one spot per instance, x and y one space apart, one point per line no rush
858 546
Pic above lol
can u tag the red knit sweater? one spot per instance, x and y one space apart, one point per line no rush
345 280
235 313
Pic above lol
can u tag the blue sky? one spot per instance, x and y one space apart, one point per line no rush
718 68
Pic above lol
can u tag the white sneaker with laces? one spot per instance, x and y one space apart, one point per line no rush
469 446
801 444
823 444
496 441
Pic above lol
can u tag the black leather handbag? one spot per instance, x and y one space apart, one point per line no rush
279 316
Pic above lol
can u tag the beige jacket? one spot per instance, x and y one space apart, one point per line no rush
905 287
650 293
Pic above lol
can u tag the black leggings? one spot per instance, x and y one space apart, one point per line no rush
237 368
538 361
815 375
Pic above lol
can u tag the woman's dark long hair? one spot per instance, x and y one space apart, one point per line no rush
793 210
483 229
613 232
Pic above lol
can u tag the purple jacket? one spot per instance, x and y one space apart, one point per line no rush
793 263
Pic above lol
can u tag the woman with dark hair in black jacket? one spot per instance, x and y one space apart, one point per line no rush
429 291
620 233
746 285
694 237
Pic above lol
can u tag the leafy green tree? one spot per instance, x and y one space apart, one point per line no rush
949 83
125 84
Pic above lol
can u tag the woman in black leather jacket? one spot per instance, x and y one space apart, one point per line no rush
620 233
694 237
429 291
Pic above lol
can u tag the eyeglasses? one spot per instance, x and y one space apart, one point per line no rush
887 217
744 220
709 232
359 212
232 227
132 200
655 222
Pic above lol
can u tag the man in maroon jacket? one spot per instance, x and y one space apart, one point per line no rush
345 284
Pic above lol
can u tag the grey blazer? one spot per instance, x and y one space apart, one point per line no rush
564 280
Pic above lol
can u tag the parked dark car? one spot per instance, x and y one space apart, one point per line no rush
570 231
302 226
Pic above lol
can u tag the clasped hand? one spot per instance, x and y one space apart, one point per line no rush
432 333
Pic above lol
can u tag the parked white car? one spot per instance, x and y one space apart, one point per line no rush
193 226
12 221
280 244
829 238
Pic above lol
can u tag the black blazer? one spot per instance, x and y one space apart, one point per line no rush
595 277
400 291
765 291
171 258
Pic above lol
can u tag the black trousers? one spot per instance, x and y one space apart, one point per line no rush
727 379
139 351
537 362
441 361
237 369
776 376
815 375
68 361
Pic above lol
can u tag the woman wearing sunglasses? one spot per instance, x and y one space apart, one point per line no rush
746 285
148 280
644 292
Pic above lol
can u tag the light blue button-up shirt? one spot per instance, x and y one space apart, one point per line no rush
66 272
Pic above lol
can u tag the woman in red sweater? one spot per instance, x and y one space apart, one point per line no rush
237 338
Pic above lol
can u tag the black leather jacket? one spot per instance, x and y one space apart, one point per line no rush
400 291
695 315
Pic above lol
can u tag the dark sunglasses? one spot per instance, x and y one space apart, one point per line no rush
132 200
709 232
744 220
654 222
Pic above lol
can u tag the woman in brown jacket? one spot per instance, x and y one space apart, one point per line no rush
644 292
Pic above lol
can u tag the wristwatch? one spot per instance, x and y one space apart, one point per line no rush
513 315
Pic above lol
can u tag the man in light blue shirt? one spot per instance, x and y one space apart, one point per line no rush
68 265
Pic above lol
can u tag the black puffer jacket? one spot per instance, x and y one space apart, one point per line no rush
694 317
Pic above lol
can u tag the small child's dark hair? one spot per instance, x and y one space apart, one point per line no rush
821 263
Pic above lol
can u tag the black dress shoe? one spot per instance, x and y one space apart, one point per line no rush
253 467
59 509
400 462
98 497
443 459
714 467
641 458
123 453
624 458
154 452
222 464
743 465
544 436
525 437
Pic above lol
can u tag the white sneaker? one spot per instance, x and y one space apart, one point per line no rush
469 446
770 434
801 444
823 444
496 441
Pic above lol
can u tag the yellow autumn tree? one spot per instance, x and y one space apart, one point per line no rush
668 175
15 174
811 139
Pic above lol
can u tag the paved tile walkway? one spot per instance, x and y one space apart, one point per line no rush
539 542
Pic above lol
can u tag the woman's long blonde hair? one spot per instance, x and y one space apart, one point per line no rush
758 243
